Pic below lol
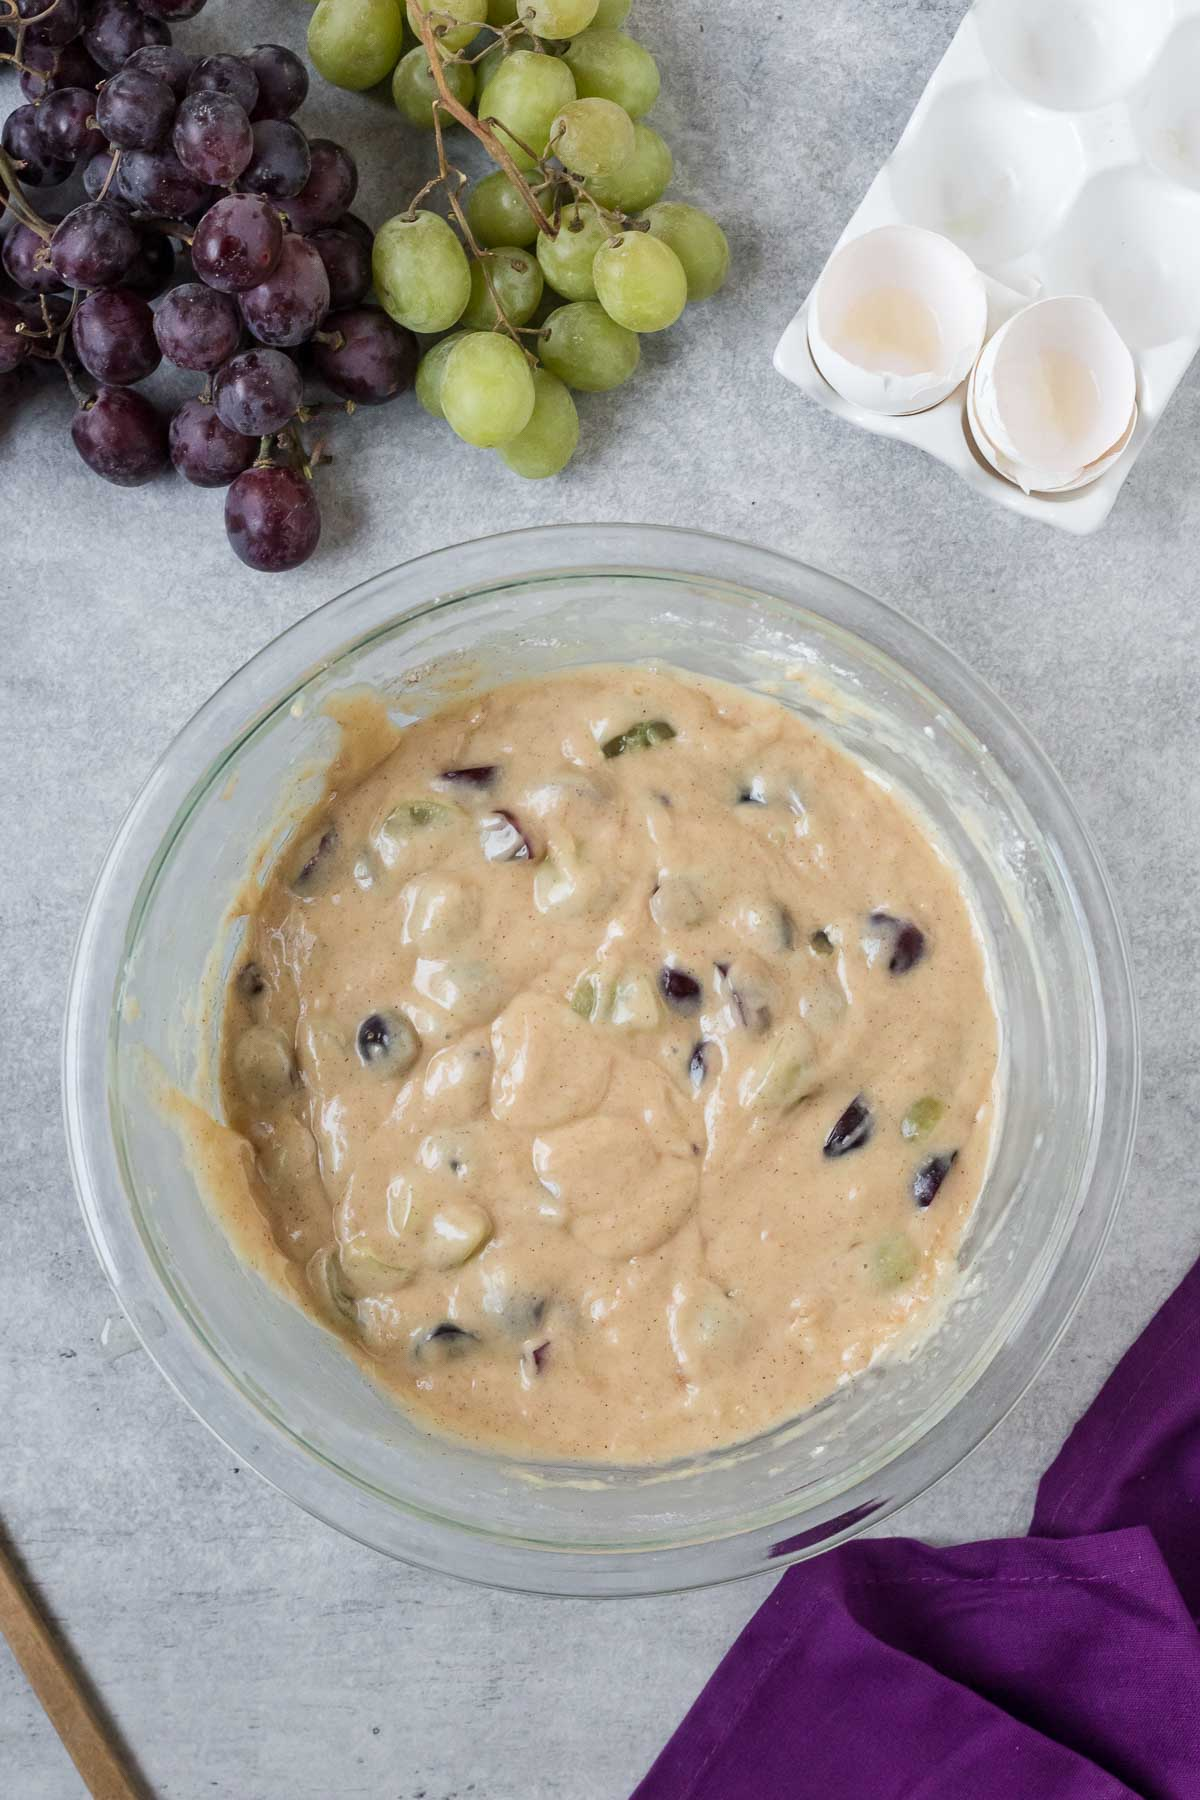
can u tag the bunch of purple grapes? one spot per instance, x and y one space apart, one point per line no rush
198 155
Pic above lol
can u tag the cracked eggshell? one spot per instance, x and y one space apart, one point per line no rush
1018 477
1052 402
897 320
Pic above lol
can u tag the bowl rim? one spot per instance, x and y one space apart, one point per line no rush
294 658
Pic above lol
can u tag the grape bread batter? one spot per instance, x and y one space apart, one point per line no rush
616 1060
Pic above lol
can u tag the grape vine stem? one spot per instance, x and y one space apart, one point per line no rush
478 129
15 197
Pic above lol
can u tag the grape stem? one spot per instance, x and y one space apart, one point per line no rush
501 34
478 128
113 164
82 400
482 257
174 228
17 202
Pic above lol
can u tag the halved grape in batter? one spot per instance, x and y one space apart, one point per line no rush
929 1177
922 1117
853 1129
640 737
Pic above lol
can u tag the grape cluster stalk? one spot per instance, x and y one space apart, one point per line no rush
541 279
186 161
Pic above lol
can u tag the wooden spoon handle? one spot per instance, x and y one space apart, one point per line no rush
57 1687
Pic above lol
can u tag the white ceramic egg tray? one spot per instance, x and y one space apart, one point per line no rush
1058 144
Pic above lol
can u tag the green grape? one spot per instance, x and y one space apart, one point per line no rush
567 259
586 349
492 57
895 1260
355 43
697 241
503 12
487 389
421 272
641 180
497 214
414 89
524 93
592 137
548 442
607 65
640 282
922 1117
472 13
430 370
517 280
610 14
558 18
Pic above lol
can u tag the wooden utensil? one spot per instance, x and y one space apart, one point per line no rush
72 1713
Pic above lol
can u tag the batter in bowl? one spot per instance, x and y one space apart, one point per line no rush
616 1060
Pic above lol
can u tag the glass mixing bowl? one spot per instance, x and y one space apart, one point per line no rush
276 1388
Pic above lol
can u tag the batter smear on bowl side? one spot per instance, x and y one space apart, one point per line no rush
617 1062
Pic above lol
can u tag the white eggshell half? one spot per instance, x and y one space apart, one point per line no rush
897 320
1029 480
1054 390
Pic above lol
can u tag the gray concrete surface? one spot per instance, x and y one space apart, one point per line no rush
246 1651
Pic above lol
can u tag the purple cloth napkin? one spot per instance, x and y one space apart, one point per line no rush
1061 1666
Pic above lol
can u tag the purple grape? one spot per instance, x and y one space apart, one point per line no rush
272 519
197 327
929 1177
288 306
853 1129
166 62
121 436
114 337
23 142
312 860
94 246
96 182
156 182
331 186
358 229
25 260
117 29
63 125
373 1038
14 343
447 1341
213 137
153 268
347 263
282 81
226 75
172 11
49 67
680 990
203 448
237 243
280 163
483 775
134 110
257 392
908 942
56 24
375 359
698 1066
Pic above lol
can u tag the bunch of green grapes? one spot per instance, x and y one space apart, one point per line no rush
543 280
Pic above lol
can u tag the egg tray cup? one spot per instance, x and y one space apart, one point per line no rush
1058 145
